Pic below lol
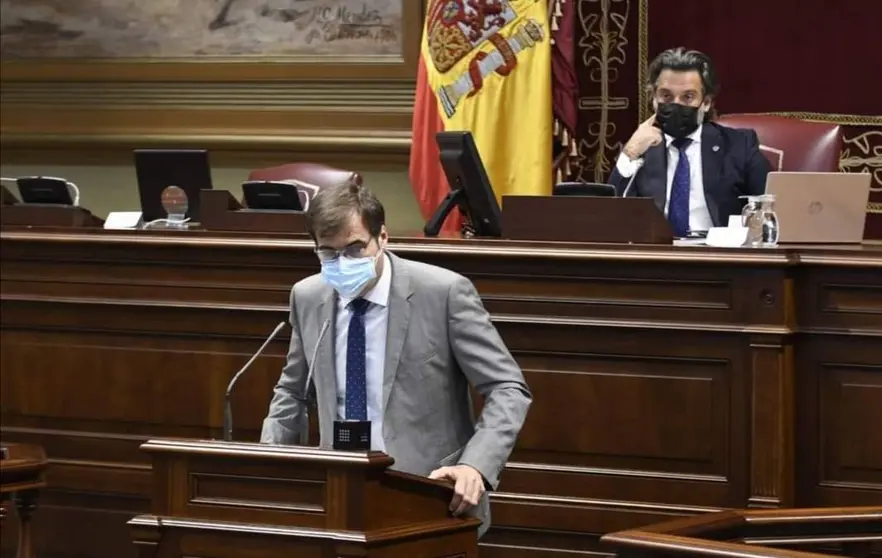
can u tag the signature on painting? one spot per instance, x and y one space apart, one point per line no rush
303 17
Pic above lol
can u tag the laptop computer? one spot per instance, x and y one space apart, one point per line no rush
158 169
820 207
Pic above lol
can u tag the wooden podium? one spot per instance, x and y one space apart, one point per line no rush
217 499
44 215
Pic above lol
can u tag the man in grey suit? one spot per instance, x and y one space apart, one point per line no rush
397 342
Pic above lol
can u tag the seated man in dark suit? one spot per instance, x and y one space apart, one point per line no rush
702 188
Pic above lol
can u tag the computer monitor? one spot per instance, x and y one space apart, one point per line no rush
158 169
470 189
584 189
270 195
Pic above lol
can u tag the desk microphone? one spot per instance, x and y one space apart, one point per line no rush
639 163
304 395
228 410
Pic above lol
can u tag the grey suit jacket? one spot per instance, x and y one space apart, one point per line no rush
440 340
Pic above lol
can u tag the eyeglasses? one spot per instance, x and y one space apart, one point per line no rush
352 250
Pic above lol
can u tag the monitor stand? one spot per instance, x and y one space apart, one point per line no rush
453 199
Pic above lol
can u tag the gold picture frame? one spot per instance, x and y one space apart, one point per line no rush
247 68
326 108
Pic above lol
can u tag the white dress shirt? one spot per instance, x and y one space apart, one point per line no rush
699 216
376 322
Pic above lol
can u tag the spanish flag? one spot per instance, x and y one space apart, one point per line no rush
485 67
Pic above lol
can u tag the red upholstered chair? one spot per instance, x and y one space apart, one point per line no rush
790 144
314 175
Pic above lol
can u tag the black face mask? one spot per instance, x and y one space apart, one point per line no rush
676 120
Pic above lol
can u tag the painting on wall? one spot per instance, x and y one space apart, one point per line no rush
187 29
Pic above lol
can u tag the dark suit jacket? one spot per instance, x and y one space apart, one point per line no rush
731 166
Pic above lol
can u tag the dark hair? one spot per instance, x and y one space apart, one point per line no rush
332 207
681 60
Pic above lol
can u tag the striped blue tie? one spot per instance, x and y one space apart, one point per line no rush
678 208
356 365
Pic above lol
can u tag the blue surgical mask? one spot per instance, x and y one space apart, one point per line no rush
348 276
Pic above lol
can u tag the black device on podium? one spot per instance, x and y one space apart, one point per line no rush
583 189
271 195
44 190
352 435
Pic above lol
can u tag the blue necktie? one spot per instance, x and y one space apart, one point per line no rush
678 208
356 365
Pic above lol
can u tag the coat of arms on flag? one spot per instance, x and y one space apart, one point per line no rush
457 28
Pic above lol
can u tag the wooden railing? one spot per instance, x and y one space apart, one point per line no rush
22 469
789 533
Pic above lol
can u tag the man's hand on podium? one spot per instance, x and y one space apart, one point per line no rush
468 486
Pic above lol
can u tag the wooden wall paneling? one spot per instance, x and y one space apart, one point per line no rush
150 351
621 438
838 413
352 128
771 422
839 297
117 152
839 385
663 378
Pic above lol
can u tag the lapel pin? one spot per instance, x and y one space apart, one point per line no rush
715 148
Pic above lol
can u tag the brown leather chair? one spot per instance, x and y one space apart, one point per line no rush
790 144
313 174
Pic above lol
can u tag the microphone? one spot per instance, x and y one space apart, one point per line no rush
304 396
228 410
639 163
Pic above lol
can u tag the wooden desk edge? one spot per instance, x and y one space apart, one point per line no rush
864 255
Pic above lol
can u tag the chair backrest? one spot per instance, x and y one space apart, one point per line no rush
315 174
311 173
791 144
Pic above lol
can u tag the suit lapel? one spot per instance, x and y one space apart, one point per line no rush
397 321
325 369
711 168
656 179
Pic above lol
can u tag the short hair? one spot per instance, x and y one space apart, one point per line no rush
331 209
681 60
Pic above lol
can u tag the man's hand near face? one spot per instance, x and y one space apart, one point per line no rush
468 486
646 136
